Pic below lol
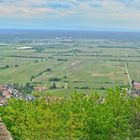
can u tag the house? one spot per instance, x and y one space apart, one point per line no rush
136 85
6 94
29 98
1 87
135 91
39 88
3 101
18 95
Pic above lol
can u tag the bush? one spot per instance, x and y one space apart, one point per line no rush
54 79
76 117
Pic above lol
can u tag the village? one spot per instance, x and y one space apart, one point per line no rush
8 91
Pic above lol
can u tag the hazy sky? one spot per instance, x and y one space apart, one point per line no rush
71 14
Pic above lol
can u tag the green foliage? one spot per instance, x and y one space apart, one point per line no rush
24 89
79 116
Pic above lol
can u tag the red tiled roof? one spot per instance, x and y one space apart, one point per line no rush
137 85
3 100
6 93
40 88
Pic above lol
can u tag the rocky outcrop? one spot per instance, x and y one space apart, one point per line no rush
4 133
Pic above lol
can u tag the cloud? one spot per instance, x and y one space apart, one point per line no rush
59 5
73 12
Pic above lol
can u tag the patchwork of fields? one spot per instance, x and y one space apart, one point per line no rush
86 65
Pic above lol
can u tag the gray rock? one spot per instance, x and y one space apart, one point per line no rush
4 133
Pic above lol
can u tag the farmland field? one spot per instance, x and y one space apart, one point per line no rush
85 65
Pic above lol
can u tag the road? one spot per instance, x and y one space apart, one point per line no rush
128 75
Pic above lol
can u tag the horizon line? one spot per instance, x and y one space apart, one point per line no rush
73 29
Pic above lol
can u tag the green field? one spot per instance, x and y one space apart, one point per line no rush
85 65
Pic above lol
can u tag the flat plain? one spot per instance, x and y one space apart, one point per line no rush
85 65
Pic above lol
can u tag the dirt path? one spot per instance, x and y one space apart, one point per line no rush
128 75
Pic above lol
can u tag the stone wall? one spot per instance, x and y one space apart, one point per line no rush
4 133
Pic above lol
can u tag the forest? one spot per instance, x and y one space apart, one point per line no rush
79 116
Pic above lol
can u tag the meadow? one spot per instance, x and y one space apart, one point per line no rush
86 65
